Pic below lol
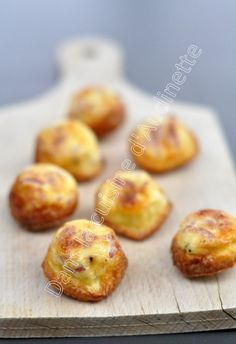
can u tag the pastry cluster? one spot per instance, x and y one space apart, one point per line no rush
164 146
99 108
43 196
86 259
205 243
71 145
132 203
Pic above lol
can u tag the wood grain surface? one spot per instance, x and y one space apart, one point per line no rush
153 297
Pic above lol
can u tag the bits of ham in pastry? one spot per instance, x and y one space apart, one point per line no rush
132 203
205 243
164 146
99 108
86 259
71 145
43 196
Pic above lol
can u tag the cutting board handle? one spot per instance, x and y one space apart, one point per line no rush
91 59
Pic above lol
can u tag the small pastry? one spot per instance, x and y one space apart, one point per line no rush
99 108
43 196
86 260
132 203
205 243
164 146
71 145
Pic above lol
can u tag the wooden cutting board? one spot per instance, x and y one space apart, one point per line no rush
153 297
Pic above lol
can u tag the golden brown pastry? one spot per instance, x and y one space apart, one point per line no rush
164 146
71 145
99 108
205 243
43 196
132 203
86 259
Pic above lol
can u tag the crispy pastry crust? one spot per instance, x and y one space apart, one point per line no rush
136 209
86 178
205 243
173 160
151 168
102 125
73 146
112 121
73 291
43 218
199 265
141 236
35 207
78 176
110 278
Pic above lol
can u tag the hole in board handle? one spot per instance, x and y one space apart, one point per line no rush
89 52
